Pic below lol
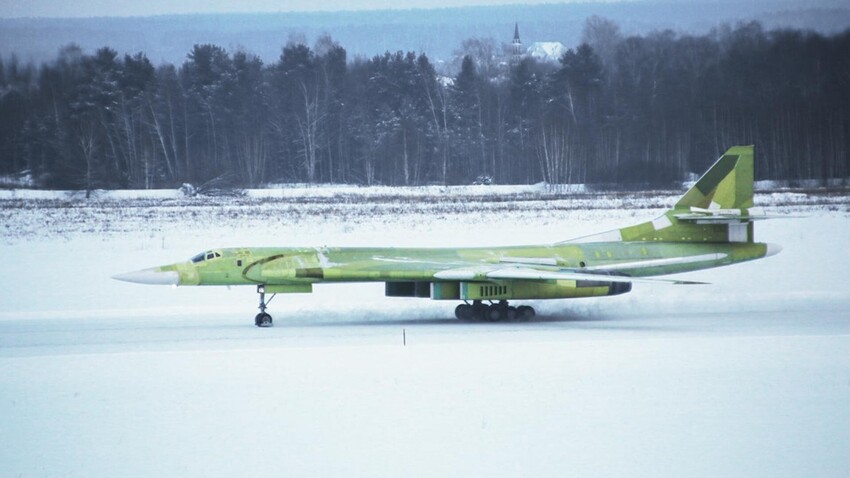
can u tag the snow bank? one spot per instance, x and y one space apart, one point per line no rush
116 194
307 191
20 180
772 184
301 191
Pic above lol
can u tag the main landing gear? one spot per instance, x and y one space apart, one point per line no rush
263 319
493 312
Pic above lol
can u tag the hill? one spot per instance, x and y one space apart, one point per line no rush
437 32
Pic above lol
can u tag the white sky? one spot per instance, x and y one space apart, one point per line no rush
90 8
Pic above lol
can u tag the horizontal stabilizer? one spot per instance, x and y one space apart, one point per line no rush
724 216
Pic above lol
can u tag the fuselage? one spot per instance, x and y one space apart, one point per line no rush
256 266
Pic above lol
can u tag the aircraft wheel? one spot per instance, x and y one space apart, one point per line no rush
479 311
463 312
510 313
525 312
263 320
495 313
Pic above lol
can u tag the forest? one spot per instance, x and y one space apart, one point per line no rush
618 110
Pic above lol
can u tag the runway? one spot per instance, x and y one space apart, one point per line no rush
90 335
690 394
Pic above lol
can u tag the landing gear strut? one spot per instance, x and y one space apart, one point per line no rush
493 312
263 319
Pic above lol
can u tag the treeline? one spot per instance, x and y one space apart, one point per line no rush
640 109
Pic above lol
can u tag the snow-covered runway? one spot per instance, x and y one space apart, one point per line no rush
761 394
749 376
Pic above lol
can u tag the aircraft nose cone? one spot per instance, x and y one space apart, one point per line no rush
150 276
772 249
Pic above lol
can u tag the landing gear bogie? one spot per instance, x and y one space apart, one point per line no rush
493 312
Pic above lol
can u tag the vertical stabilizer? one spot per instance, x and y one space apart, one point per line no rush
715 209
728 184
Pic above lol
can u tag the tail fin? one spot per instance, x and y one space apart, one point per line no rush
728 184
715 209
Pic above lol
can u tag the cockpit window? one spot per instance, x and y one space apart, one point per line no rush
205 256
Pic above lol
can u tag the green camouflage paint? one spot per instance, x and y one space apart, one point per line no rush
710 226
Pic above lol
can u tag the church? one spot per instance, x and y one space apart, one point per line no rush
550 51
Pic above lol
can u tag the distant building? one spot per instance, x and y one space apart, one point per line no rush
545 51
516 45
548 51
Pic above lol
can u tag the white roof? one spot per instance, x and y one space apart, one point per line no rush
546 50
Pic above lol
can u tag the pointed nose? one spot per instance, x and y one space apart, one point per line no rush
772 249
150 276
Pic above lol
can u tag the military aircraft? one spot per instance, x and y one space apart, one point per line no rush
710 226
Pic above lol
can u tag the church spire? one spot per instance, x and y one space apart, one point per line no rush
516 45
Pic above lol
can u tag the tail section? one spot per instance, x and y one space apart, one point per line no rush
728 184
715 209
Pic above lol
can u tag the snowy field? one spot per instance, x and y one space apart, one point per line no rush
748 376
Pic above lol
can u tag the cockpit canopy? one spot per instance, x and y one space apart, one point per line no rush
206 256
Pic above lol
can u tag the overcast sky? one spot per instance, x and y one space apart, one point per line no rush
110 8
89 8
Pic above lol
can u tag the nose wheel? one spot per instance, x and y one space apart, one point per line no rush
263 319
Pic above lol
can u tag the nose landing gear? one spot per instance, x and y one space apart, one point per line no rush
263 319
493 312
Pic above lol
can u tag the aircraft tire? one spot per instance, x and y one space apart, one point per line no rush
463 312
510 313
495 313
525 312
263 320
480 312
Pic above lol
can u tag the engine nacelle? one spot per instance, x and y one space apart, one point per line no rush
408 289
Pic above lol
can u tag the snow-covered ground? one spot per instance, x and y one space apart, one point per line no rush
748 376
